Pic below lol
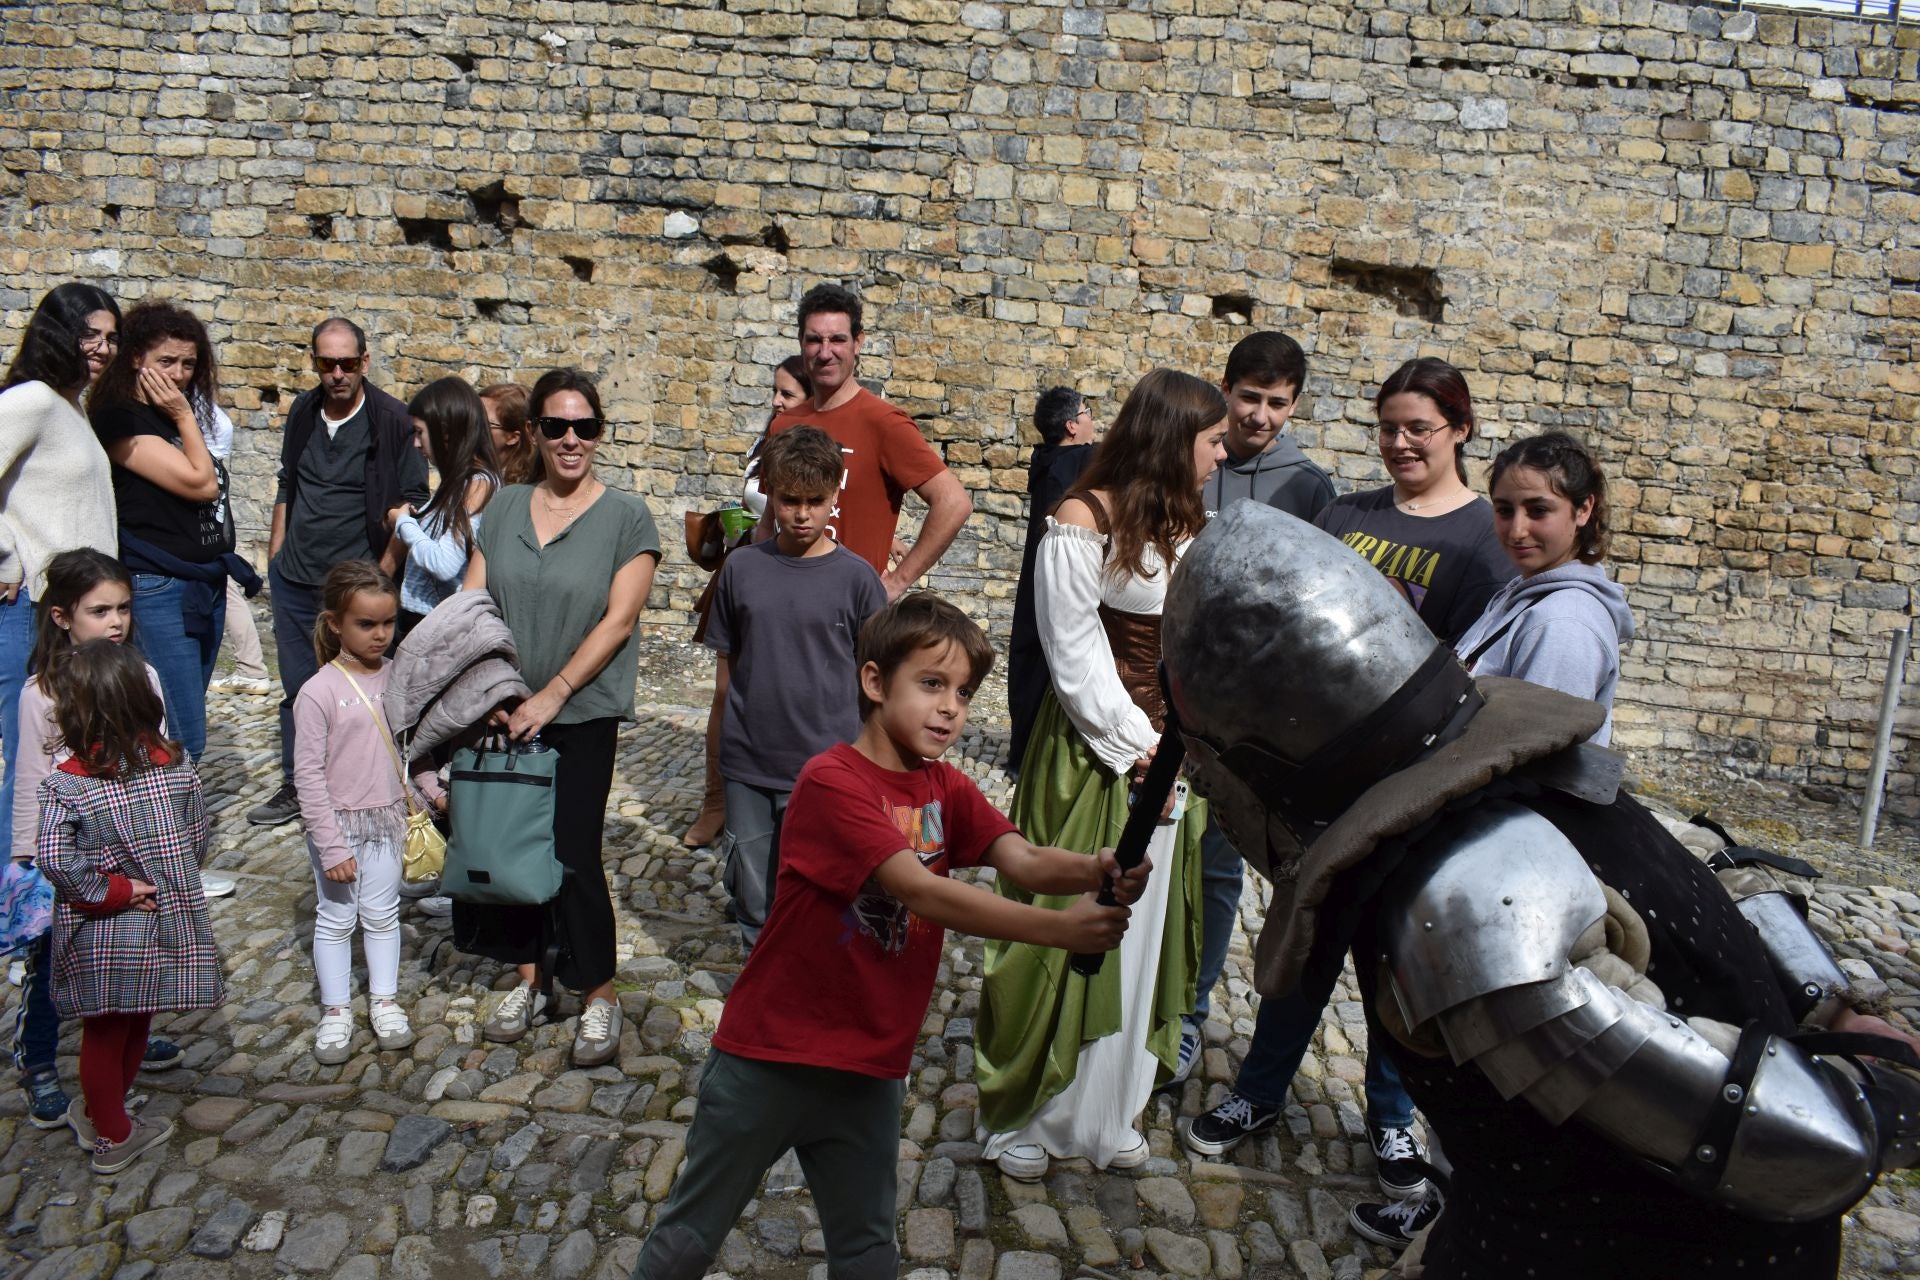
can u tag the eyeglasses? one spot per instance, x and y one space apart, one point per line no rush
557 428
332 364
98 341
1417 434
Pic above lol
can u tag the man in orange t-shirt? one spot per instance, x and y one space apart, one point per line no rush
884 450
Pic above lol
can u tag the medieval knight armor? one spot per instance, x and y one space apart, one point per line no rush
1611 1049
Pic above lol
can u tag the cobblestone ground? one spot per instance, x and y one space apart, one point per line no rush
460 1159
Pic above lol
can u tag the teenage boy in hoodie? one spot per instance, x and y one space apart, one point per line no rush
1266 373
1066 430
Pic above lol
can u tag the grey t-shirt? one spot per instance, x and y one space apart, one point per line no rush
789 625
327 522
1448 566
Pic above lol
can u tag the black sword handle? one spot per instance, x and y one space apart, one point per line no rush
1148 799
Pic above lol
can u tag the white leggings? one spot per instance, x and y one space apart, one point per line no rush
373 899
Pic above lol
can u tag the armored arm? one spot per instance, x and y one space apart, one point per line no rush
1478 945
1806 971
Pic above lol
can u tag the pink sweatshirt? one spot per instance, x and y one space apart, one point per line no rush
41 752
349 789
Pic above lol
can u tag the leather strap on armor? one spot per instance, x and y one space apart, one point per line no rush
1706 1165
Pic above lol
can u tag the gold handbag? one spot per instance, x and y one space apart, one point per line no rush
424 852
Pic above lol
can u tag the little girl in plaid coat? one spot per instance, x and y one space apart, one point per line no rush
123 830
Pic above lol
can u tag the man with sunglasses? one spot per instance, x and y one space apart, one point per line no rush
347 465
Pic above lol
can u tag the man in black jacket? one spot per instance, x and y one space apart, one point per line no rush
347 465
1066 430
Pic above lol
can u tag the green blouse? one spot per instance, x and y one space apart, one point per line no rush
552 596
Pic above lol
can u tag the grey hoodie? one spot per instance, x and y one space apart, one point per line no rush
1567 626
1281 476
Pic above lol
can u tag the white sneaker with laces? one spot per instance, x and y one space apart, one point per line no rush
1024 1162
514 1014
215 885
390 1025
333 1038
597 1038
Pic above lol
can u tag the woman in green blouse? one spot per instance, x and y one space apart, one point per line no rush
569 561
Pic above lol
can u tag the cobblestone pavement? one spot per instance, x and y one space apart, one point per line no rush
460 1159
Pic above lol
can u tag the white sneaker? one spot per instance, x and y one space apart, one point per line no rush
333 1038
215 885
242 684
1024 1162
390 1025
1131 1156
438 905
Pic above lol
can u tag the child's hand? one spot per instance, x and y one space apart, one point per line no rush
145 897
1127 885
1086 927
346 873
440 802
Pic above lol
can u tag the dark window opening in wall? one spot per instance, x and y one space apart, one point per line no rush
582 268
269 396
320 226
775 238
724 270
503 310
1234 308
463 62
492 206
1413 291
436 233
111 212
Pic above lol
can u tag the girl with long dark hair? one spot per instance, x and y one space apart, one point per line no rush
1065 1076
451 421
56 486
176 532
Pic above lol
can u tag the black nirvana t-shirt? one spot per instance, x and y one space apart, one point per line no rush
1448 566
194 531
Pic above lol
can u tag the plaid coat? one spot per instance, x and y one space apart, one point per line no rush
151 826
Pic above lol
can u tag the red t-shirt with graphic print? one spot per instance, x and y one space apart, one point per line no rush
843 972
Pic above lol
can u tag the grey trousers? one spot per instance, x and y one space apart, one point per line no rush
754 815
845 1128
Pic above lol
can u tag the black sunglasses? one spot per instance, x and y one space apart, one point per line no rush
557 428
328 364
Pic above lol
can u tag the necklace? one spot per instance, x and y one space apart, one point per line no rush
567 514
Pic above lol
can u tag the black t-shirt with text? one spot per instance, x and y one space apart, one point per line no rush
1448 566
196 532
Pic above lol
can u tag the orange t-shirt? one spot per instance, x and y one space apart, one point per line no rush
885 455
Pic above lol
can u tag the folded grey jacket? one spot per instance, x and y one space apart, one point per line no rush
456 665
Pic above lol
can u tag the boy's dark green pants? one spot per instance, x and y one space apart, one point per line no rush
845 1127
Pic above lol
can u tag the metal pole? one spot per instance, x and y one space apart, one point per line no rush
1883 735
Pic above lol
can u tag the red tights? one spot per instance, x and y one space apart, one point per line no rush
111 1047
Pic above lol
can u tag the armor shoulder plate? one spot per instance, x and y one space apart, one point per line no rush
1499 906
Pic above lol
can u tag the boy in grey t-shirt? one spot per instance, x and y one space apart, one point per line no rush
786 615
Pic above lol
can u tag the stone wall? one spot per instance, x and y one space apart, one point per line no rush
1689 233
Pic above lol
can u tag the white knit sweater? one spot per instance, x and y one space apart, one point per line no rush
56 485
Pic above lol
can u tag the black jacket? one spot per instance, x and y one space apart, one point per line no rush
390 434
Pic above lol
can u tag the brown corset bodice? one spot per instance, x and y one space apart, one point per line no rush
1135 641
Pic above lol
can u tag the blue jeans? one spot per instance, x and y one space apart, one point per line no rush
183 658
1284 1028
1221 872
36 1026
295 611
16 646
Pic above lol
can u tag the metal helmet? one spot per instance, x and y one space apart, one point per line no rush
1301 675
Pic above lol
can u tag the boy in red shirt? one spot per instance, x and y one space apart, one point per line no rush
817 1038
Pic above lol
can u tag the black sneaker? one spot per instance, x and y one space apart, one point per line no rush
161 1055
1395 1223
46 1100
1227 1125
283 806
1403 1162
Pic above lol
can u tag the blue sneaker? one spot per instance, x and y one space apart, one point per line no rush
46 1100
162 1055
